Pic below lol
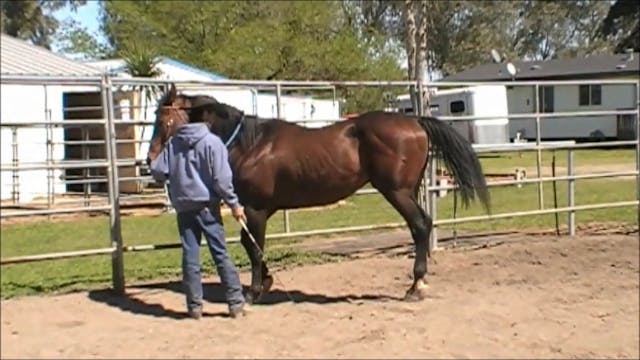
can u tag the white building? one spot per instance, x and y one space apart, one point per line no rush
567 98
307 111
22 104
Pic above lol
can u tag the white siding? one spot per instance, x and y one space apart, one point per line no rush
521 99
304 110
25 104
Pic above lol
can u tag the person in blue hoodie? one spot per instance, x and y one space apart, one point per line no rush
195 163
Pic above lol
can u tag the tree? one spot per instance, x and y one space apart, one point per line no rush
548 29
74 40
32 20
279 40
461 33
622 25
416 19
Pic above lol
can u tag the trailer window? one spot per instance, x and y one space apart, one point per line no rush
596 95
546 97
590 95
456 107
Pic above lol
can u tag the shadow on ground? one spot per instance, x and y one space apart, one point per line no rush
214 292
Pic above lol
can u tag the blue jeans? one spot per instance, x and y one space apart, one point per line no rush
191 225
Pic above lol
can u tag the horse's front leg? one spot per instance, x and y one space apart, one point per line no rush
261 281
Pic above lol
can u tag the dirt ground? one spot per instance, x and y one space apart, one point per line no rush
543 297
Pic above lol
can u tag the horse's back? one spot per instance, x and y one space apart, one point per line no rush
293 135
390 128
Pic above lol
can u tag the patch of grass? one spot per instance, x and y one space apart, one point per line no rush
95 272
526 198
508 161
92 272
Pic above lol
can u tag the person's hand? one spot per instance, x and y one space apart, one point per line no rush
238 213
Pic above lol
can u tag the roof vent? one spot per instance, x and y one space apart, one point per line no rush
621 66
535 67
629 54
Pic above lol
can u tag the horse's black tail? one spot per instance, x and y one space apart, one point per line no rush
460 159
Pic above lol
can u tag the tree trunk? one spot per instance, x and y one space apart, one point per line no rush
416 21
411 47
421 60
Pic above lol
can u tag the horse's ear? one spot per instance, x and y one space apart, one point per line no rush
173 93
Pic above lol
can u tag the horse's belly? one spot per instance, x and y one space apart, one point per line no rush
305 191
319 196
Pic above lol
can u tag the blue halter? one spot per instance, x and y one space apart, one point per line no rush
234 134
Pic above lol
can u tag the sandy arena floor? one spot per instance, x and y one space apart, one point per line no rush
541 298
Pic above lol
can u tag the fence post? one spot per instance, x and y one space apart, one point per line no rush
638 147
538 149
285 213
423 192
49 141
433 200
419 99
86 172
117 261
571 189
15 177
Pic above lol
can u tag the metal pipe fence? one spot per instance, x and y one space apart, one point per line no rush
112 120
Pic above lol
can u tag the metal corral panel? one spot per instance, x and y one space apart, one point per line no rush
21 58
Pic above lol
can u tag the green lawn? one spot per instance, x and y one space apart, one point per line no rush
495 162
91 272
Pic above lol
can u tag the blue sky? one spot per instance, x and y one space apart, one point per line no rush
87 16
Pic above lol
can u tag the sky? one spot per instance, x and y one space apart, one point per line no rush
87 15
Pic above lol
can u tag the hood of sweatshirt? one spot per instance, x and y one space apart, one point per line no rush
190 134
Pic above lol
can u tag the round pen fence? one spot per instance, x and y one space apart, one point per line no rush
89 155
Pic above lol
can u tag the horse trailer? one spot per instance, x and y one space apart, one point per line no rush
482 101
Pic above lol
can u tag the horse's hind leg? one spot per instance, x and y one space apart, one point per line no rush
261 281
420 225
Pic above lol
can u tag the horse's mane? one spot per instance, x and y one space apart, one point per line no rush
253 127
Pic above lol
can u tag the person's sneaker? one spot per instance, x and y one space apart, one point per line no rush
195 313
237 310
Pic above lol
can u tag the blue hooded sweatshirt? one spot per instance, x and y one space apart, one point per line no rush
196 163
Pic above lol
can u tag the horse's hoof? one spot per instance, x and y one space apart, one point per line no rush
267 283
252 297
413 296
248 298
417 292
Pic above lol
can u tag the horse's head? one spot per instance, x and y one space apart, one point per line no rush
175 110
170 114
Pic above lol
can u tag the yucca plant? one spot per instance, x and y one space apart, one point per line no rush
142 61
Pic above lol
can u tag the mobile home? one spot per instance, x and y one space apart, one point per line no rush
567 98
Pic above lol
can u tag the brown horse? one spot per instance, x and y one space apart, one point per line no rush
280 165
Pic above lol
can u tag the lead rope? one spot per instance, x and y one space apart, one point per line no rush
253 240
